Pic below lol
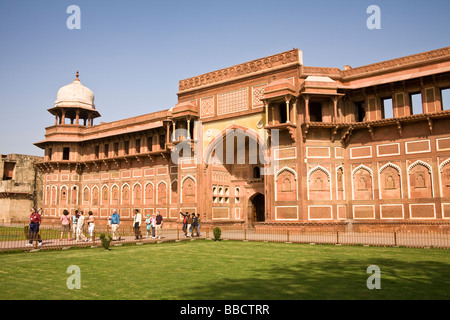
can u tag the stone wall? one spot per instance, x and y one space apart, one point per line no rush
20 187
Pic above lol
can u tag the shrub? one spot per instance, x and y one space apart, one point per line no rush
106 240
217 232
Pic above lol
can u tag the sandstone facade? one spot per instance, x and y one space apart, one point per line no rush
270 141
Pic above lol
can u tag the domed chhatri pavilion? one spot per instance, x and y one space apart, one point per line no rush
267 142
75 102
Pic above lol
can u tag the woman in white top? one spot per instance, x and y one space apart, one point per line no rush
137 224
80 227
91 226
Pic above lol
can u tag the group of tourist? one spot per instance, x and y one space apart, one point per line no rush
191 225
153 225
78 226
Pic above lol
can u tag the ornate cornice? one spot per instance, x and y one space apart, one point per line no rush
292 57
398 63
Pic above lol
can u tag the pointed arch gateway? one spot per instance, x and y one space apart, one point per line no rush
236 157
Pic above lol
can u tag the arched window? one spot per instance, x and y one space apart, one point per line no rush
105 197
149 193
137 194
362 183
390 182
174 192
319 184
161 193
420 180
95 198
286 185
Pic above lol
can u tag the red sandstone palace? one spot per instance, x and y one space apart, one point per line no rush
270 141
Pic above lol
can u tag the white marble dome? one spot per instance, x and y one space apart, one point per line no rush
75 93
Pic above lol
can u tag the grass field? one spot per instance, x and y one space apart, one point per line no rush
227 270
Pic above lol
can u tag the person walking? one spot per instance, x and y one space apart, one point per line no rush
115 221
80 228
185 218
159 223
148 223
91 226
74 224
153 223
137 224
33 232
189 225
194 224
65 225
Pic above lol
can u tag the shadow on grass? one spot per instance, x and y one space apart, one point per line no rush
335 280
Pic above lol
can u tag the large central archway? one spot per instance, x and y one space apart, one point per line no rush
235 161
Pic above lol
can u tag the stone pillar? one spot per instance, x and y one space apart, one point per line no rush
287 110
77 119
168 133
189 129
173 133
307 118
266 106
295 112
335 101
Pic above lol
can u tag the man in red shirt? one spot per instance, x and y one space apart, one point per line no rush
33 233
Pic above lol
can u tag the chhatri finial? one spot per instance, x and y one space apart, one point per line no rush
77 75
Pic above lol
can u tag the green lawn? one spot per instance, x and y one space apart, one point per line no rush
226 270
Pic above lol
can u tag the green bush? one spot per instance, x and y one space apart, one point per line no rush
106 240
217 232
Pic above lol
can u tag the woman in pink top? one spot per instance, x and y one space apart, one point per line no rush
65 224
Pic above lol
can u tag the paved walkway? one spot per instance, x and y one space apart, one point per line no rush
169 235
422 240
